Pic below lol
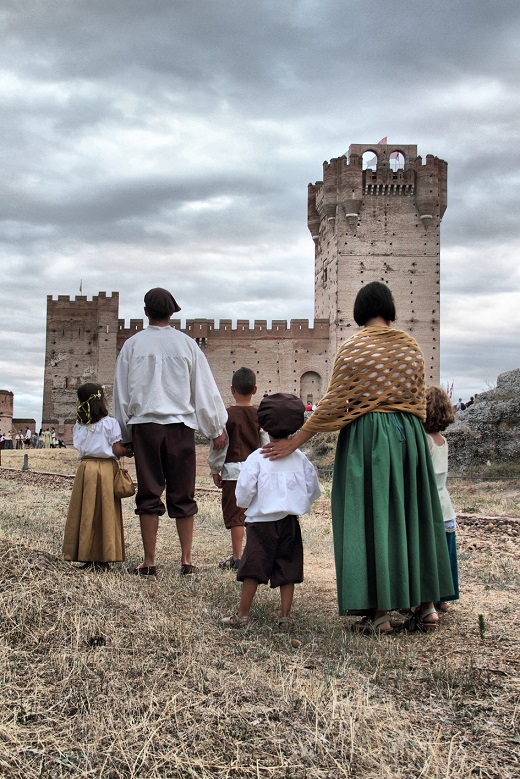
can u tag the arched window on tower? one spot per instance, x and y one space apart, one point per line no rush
396 161
369 160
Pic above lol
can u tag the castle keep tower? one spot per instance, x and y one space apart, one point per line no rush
81 346
380 225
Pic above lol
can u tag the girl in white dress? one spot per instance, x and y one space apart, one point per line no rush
94 527
440 414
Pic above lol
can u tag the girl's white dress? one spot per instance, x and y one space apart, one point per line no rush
94 527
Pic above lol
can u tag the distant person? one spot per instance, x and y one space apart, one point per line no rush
46 439
308 407
243 437
461 406
8 440
470 402
28 438
439 414
94 527
2 441
273 495
163 391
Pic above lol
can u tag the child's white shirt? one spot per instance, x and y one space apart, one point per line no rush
271 489
96 440
440 466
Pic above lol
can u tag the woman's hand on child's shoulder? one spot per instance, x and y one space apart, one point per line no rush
275 450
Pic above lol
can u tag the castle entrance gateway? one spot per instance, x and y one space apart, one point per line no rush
311 387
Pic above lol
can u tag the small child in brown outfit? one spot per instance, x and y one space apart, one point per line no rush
244 437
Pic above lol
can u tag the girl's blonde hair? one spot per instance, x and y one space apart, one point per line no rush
439 410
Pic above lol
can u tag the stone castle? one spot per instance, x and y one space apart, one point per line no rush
373 224
10 423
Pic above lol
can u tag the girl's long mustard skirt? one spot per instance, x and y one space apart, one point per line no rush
94 527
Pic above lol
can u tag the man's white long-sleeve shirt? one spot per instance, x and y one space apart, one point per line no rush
163 377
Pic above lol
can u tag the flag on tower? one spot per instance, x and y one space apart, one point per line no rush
383 140
81 286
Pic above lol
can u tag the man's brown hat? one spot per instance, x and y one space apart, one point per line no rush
160 301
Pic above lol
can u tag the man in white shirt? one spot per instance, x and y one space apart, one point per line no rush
163 391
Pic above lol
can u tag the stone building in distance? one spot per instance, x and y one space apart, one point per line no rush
378 223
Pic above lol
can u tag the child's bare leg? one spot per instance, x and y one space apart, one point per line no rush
237 540
286 599
249 588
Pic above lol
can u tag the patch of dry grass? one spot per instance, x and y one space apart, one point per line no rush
42 460
107 675
491 498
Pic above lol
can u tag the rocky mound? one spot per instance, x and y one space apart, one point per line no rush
488 433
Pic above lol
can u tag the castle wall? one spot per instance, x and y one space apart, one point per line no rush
281 355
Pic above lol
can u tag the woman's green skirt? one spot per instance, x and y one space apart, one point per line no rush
389 540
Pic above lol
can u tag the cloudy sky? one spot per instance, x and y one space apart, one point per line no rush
170 142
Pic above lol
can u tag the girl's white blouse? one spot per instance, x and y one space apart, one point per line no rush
96 440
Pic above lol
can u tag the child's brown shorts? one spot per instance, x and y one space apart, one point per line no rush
273 552
233 515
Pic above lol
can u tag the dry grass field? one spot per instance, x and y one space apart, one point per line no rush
105 675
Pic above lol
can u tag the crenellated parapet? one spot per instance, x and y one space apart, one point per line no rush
82 300
345 184
203 330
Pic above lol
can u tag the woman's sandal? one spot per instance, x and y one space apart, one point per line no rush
367 625
285 623
418 621
229 564
442 607
234 621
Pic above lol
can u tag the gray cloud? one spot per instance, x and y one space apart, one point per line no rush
172 143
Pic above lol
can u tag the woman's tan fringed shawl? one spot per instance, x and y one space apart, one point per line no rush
378 369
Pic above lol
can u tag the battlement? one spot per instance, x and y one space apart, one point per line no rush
345 184
63 300
223 329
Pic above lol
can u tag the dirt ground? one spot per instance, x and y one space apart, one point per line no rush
107 676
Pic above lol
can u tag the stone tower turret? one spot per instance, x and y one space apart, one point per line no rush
380 225
6 410
81 346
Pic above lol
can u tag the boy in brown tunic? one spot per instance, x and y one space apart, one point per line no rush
243 433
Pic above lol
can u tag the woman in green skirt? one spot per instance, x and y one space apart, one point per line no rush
389 542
